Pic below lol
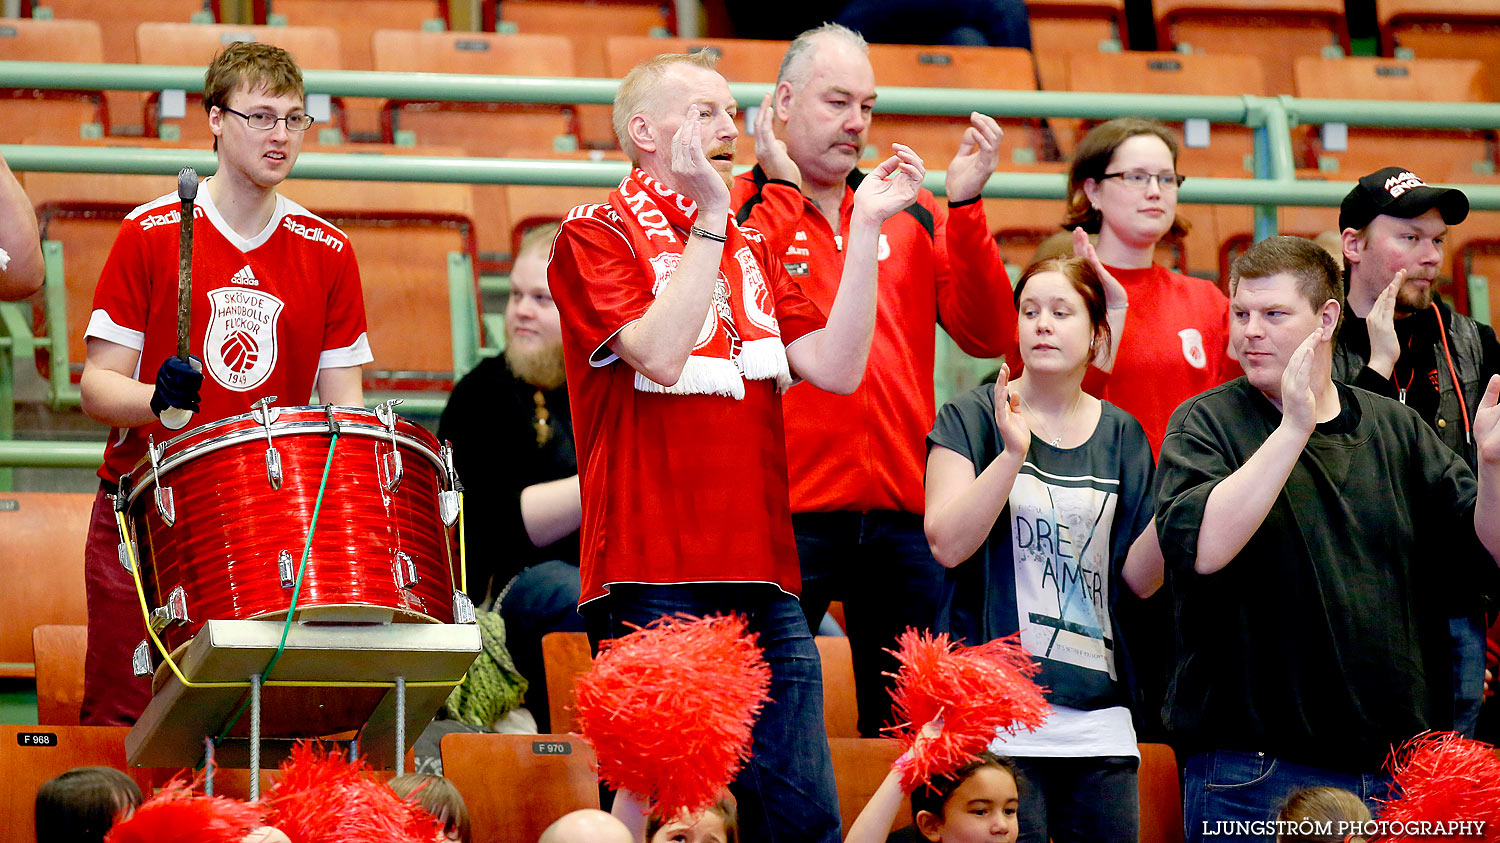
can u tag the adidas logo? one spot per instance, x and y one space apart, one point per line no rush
244 277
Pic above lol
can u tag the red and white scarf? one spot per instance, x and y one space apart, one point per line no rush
740 337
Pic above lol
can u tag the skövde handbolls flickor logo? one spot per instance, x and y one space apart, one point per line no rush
240 347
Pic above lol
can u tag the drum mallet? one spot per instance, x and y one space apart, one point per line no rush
176 418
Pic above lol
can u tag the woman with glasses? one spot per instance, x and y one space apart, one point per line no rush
1173 329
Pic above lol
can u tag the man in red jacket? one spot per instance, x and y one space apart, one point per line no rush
856 461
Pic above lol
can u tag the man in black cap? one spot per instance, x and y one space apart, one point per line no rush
1401 340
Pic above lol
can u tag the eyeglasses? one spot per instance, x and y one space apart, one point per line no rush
266 122
1138 179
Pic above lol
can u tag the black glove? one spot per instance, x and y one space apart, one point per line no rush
177 384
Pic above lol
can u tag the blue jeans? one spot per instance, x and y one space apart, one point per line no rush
786 790
542 599
970 23
1079 800
879 565
1468 635
1229 785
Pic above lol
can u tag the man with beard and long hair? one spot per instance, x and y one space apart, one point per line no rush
512 436
1401 340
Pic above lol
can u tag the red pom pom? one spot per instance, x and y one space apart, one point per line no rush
1443 777
669 709
978 691
322 797
176 815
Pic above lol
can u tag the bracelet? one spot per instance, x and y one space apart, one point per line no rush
718 238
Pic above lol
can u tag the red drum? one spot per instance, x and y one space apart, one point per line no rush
220 515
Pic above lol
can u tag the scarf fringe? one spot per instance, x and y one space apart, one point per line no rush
765 359
700 376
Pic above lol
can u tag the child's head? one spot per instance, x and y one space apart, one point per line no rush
81 805
1315 808
718 824
978 802
438 797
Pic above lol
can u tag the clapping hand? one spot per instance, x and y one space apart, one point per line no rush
1014 430
770 151
1487 424
693 174
1381 324
978 155
1115 296
1299 404
891 186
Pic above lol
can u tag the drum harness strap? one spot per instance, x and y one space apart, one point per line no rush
291 610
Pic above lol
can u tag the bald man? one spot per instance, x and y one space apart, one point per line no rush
589 825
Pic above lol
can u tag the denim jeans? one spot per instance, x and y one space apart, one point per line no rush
1229 785
971 23
1079 800
786 790
1468 635
879 565
542 599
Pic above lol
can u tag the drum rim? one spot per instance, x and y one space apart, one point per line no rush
372 430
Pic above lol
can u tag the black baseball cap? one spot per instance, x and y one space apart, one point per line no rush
1398 192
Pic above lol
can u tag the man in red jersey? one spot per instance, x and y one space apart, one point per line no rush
681 331
276 309
856 461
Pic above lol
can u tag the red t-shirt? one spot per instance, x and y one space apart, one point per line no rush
1175 345
676 488
268 312
868 451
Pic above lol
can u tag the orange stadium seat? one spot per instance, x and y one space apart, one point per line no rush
1229 147
1475 247
356 21
44 535
482 129
1235 226
192 44
517 785
1160 794
1059 27
119 37
1020 225
565 657
1370 148
58 653
30 755
1444 29
51 116
1273 30
936 139
840 708
606 21
402 234
859 766
528 206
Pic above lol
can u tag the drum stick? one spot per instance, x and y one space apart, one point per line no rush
176 418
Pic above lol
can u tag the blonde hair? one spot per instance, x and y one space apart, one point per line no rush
637 93
1323 806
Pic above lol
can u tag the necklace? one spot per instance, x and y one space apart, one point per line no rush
1067 417
541 420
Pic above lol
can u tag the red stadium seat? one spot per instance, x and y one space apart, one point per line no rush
58 653
565 657
840 708
1059 27
859 766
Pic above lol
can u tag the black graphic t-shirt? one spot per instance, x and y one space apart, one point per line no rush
1050 567
1326 639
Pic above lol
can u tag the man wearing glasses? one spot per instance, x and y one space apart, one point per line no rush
276 310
